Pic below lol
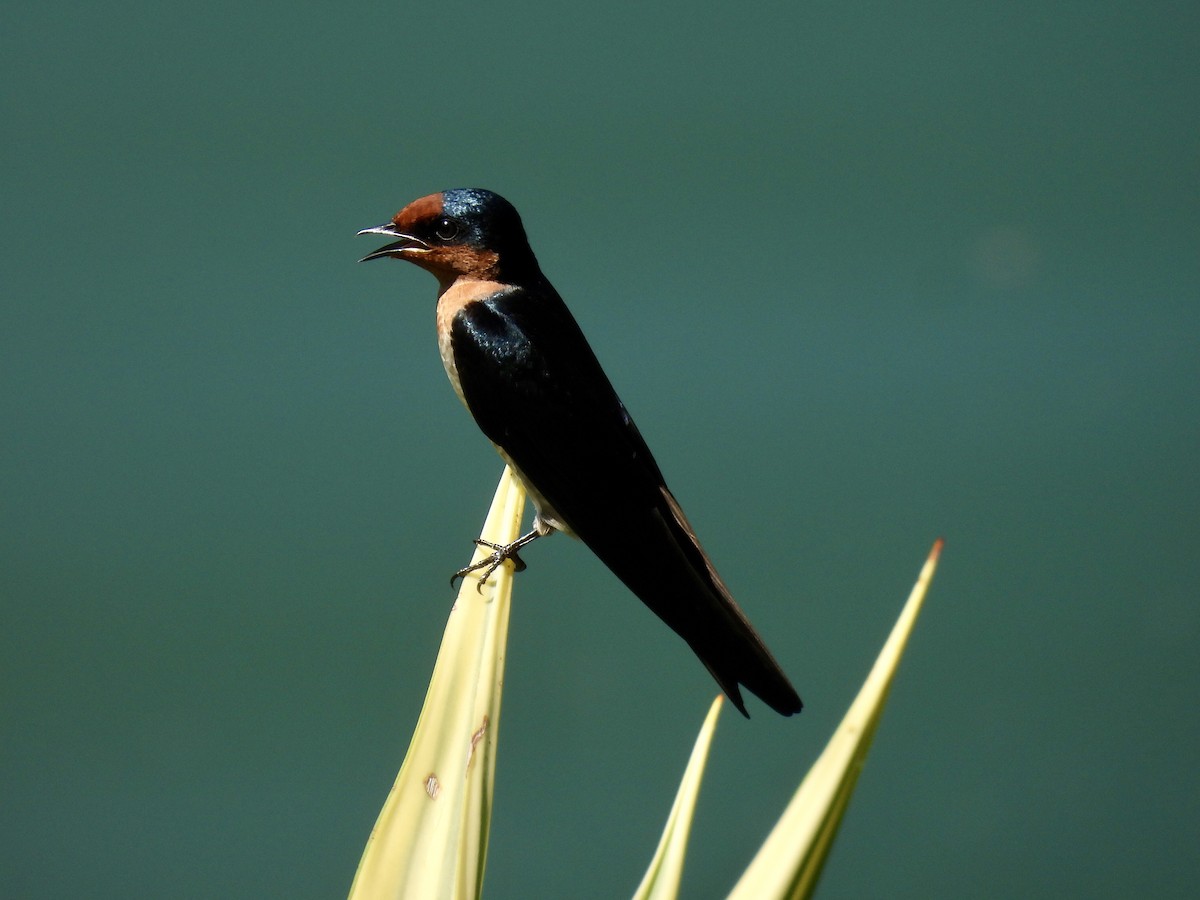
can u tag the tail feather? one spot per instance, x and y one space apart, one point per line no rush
656 554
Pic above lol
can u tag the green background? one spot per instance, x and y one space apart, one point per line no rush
865 275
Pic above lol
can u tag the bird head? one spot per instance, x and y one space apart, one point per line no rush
461 232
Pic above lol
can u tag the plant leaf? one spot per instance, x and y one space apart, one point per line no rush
789 863
430 840
661 881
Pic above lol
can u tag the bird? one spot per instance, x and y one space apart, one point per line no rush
521 365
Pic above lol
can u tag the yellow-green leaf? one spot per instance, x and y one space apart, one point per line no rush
661 881
790 861
430 840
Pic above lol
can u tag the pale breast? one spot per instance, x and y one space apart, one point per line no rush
453 300
460 293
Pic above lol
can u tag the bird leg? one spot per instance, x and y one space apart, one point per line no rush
500 552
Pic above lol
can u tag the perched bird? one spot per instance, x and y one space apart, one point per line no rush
524 370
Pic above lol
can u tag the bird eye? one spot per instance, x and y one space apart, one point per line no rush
446 230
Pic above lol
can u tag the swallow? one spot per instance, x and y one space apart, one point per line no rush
521 365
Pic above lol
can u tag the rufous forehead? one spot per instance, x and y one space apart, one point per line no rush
418 210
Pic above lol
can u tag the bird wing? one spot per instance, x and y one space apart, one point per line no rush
537 391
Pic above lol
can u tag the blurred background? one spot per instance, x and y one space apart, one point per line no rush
863 275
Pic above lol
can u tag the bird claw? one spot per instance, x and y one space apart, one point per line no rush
500 552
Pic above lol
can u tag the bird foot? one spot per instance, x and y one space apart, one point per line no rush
489 564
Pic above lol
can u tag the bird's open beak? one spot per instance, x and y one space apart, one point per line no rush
406 242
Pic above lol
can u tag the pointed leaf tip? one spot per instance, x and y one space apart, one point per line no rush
420 848
789 863
662 879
